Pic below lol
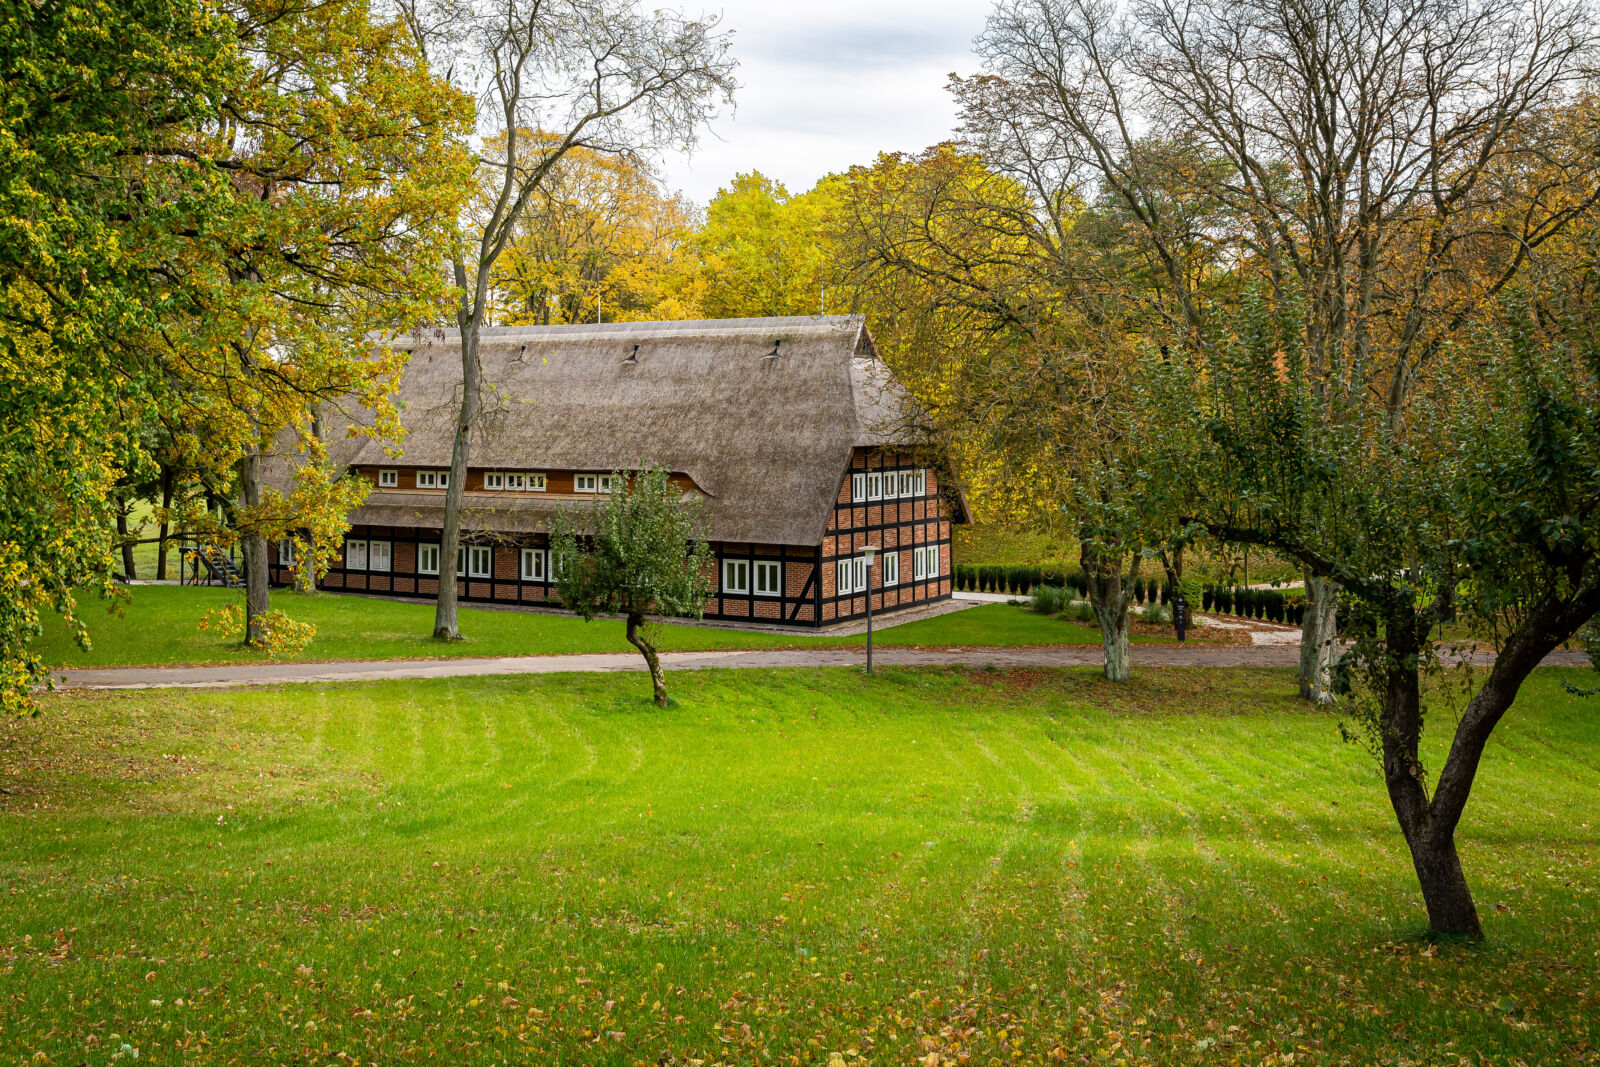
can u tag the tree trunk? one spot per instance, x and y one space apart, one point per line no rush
1109 597
254 548
1319 640
446 624
127 543
166 506
658 677
1444 887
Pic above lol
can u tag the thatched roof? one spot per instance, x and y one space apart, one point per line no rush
766 437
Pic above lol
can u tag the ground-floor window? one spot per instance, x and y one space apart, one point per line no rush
533 565
474 561
380 555
768 579
286 552
428 559
355 555
735 576
925 562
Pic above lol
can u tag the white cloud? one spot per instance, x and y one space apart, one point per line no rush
828 84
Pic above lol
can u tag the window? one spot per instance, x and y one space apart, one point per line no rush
735 576
858 487
355 555
922 483
533 565
591 483
516 482
536 481
388 479
874 486
380 555
480 557
925 562
494 480
768 579
860 564
919 563
891 485
843 578
433 479
891 568
427 559
908 485
286 552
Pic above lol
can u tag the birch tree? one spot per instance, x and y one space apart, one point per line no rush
551 77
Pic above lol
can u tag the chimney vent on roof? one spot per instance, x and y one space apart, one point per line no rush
774 353
633 357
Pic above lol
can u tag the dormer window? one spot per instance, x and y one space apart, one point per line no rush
433 479
388 479
494 480
591 483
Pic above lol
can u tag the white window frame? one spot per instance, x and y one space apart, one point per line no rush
535 566
891 568
515 482
286 552
919 564
424 551
380 556
585 483
736 576
477 553
493 480
768 577
908 484
922 482
605 483
858 487
843 577
536 483
891 485
433 479
874 485
388 479
860 564
355 554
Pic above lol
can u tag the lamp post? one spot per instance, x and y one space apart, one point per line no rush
869 553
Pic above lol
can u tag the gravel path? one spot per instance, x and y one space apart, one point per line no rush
246 674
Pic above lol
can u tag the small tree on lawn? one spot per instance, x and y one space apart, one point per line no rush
645 559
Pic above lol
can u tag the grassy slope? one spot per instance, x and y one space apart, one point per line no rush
788 865
161 625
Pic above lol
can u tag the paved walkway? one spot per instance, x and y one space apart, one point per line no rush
245 674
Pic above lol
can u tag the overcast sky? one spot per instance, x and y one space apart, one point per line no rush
828 83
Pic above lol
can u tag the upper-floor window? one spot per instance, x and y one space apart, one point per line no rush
769 578
433 479
922 483
591 483
908 484
874 485
388 479
494 480
858 487
891 485
891 568
735 576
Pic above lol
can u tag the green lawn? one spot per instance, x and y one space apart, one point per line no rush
161 625
992 867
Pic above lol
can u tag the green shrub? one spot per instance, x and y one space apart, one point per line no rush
1083 612
1048 599
1153 613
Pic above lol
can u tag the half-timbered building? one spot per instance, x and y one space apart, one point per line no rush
790 431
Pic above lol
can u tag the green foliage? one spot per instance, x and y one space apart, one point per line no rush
1049 599
641 554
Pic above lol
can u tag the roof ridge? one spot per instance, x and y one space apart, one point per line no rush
700 327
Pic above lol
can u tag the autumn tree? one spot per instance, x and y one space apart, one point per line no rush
1009 320
639 554
765 251
1359 155
551 77
599 237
